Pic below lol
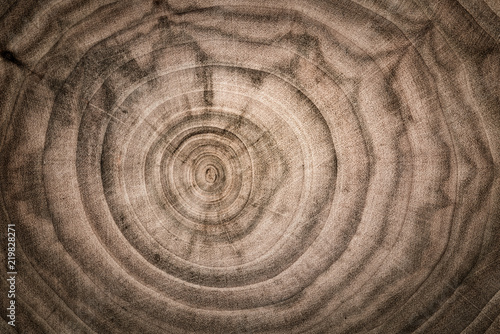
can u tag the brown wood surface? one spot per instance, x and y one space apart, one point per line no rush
228 166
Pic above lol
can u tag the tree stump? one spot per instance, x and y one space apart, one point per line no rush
225 166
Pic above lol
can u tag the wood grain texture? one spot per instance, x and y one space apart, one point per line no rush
220 166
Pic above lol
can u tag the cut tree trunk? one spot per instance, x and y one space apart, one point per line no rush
228 166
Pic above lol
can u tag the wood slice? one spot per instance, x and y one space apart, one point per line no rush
225 166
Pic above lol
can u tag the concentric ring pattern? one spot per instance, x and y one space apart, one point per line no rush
257 166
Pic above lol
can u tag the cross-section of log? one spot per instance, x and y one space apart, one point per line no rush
225 166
